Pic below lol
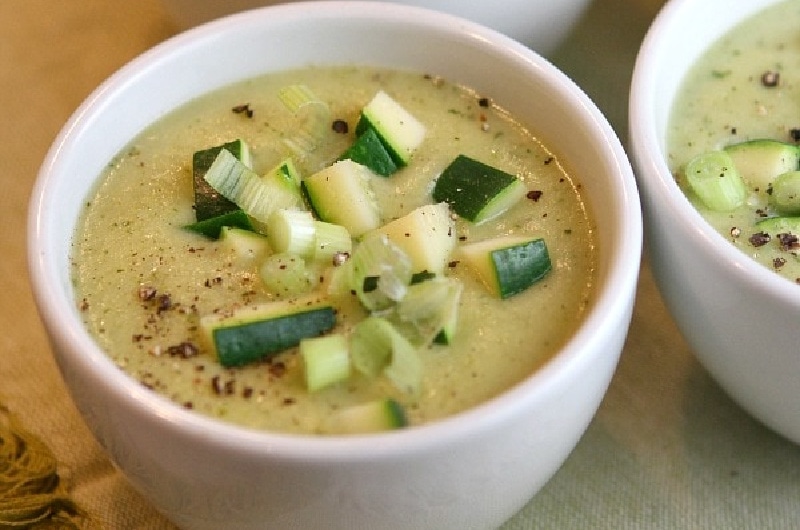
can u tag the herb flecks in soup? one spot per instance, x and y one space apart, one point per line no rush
734 133
387 290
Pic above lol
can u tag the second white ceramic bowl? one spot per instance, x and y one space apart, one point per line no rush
539 24
471 471
739 317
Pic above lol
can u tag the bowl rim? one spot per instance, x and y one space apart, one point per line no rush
647 142
610 303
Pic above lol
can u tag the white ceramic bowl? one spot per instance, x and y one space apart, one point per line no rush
540 24
472 471
739 318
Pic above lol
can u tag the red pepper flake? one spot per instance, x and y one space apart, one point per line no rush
247 392
243 109
188 405
770 79
759 239
534 195
340 126
288 401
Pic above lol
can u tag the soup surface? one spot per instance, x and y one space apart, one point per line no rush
131 243
745 87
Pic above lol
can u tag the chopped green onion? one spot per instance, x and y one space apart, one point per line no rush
376 347
258 196
714 179
785 196
377 257
330 240
431 307
326 360
292 232
306 138
286 275
371 345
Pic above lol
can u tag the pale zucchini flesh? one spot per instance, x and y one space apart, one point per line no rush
759 161
342 194
426 235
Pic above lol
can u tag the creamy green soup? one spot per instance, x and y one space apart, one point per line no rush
744 87
143 281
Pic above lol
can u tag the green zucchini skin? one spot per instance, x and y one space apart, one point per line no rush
243 343
520 266
368 150
212 227
780 225
208 202
476 191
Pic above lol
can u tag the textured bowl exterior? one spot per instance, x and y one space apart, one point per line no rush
739 318
471 471
540 24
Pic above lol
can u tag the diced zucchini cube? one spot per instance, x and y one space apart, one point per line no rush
477 191
251 333
426 235
400 132
370 417
208 202
758 162
368 150
507 265
342 194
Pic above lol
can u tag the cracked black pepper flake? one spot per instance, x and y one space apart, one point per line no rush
759 239
340 126
788 241
534 195
147 293
484 102
243 109
164 303
770 79
794 133
184 350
